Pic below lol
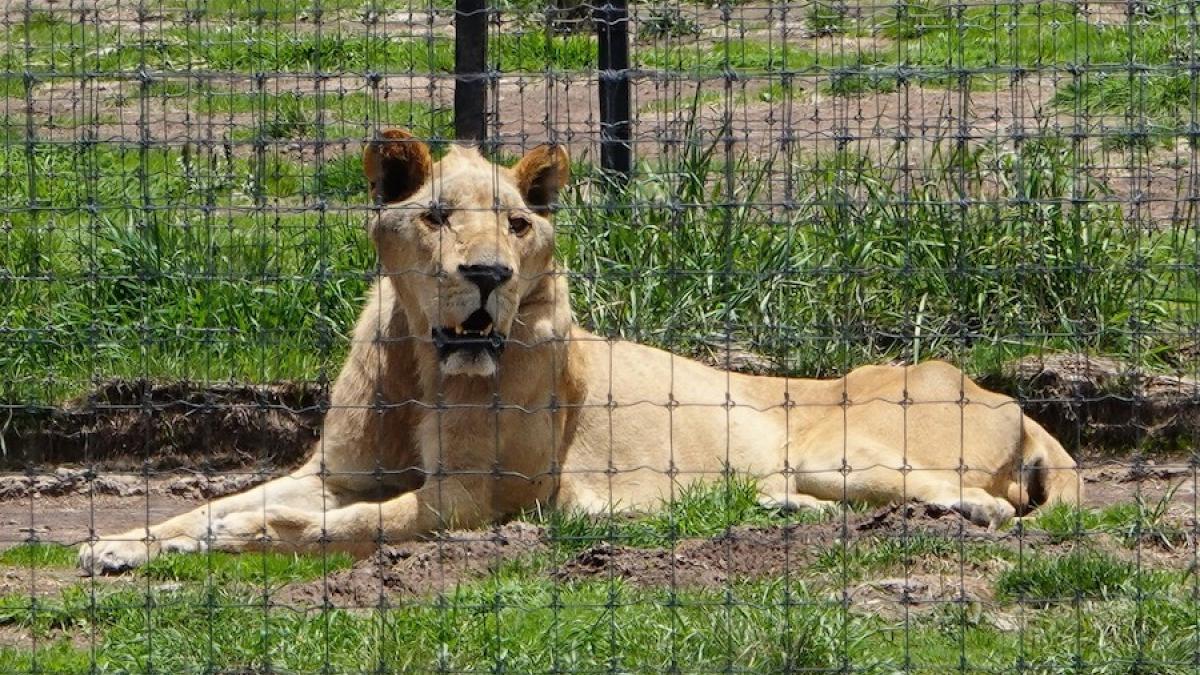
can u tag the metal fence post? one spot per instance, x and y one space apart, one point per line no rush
616 131
470 69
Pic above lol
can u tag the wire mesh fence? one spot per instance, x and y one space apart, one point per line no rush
755 337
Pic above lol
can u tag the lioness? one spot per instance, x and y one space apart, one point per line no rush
470 395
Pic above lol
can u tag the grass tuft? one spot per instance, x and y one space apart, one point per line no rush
1081 574
39 555
827 18
666 22
256 569
701 509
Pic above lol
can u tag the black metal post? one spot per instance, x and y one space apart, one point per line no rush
470 69
616 130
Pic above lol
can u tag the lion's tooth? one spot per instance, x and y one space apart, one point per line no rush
486 329
458 330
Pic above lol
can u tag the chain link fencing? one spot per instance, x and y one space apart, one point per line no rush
784 190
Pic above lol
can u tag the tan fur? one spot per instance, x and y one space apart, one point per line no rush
414 443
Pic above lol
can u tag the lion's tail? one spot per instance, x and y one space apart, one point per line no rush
1050 474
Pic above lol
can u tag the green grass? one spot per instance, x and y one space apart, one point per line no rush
518 619
1065 522
749 57
205 612
288 10
208 267
38 555
816 292
827 18
1082 573
1162 106
1134 523
504 623
913 20
213 267
255 569
862 77
666 22
698 510
892 555
246 48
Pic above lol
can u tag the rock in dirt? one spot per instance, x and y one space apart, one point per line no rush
64 481
212 487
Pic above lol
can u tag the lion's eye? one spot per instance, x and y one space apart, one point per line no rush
436 216
519 225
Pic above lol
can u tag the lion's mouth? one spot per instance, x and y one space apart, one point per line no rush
475 334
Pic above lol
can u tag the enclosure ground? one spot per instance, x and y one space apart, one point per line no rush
709 577
1005 185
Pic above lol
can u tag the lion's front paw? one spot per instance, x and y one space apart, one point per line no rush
123 553
113 556
986 512
275 528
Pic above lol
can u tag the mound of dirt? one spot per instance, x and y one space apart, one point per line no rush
426 568
1088 401
434 567
125 425
760 552
743 553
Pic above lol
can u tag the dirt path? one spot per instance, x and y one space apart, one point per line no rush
68 519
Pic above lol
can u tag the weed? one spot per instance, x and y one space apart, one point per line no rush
914 18
1151 522
862 78
287 121
274 10
827 18
1142 521
666 22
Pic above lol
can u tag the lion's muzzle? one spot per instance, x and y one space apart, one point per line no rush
475 335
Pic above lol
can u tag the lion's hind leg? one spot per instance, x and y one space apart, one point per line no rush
869 471
791 502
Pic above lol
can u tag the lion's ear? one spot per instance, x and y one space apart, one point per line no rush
540 174
397 165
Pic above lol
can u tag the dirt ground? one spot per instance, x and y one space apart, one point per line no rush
422 569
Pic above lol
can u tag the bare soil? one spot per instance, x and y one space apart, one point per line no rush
1100 403
71 519
418 568
63 505
431 568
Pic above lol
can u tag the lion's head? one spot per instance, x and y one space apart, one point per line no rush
463 240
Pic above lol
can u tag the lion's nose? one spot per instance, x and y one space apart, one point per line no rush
486 277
